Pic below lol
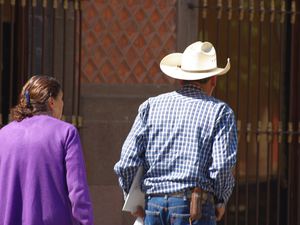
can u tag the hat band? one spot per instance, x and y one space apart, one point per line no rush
198 71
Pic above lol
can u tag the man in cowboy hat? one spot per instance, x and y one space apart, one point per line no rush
186 141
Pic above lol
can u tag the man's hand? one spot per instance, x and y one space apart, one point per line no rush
220 212
140 212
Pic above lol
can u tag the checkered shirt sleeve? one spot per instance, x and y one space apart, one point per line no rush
223 155
132 150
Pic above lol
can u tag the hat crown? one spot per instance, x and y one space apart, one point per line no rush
199 56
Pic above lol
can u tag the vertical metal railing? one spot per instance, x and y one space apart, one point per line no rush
248 121
204 15
76 118
54 8
79 118
228 52
64 41
292 123
270 111
23 41
64 47
11 66
218 28
32 57
1 60
43 58
280 119
238 116
75 72
294 117
259 122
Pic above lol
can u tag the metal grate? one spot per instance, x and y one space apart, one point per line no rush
40 37
257 36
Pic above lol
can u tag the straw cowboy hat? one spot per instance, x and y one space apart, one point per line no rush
198 61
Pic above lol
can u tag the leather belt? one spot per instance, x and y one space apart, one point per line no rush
206 196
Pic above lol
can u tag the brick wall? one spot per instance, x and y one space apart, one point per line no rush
124 41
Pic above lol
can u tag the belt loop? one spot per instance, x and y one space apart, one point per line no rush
166 197
185 195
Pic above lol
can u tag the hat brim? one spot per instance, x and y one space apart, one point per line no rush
170 65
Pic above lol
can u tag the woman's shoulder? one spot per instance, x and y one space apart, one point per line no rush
42 123
57 128
46 123
54 122
7 127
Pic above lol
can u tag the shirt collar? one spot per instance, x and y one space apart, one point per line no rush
193 86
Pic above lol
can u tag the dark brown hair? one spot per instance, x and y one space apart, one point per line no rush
202 81
33 99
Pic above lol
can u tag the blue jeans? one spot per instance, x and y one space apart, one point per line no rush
175 211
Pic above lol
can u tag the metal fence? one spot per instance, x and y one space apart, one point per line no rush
40 37
258 36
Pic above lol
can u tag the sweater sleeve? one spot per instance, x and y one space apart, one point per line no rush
76 179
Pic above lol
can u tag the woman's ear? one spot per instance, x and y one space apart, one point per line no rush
51 103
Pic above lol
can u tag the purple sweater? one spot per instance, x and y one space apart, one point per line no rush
42 174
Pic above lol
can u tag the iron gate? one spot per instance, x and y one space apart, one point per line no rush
258 37
40 37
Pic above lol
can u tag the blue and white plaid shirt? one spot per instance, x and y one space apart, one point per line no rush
183 139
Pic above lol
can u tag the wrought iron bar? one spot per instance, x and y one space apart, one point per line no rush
241 10
272 13
54 36
229 8
23 46
44 10
269 168
290 132
279 167
290 166
259 125
298 132
293 12
283 11
229 17
220 9
237 187
80 118
280 125
32 58
1 60
75 78
248 129
219 16
11 61
262 11
204 15
270 130
64 48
